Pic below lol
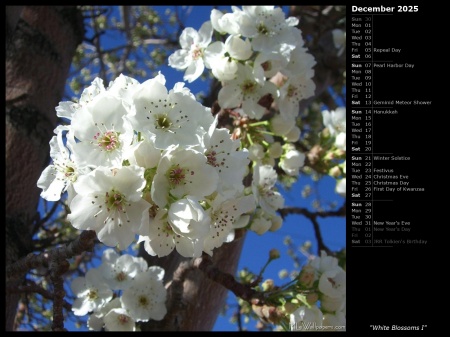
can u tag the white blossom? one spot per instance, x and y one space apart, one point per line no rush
123 87
101 132
95 321
143 153
190 57
256 152
277 222
160 239
223 58
173 117
324 263
281 125
275 150
306 315
269 29
341 141
91 291
294 90
68 109
263 187
268 64
225 212
261 222
226 23
109 202
333 282
59 176
246 91
292 160
146 297
182 172
224 155
118 319
335 120
341 186
301 63
119 271
293 135
188 218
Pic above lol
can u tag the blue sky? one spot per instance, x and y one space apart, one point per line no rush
300 229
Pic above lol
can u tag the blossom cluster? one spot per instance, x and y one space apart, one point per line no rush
140 160
260 44
142 163
123 290
334 122
259 56
325 305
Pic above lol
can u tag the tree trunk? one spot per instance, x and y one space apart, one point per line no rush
40 44
194 301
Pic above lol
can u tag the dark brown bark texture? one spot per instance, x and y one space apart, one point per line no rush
40 44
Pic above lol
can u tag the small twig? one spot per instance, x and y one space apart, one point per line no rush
340 212
320 244
312 216
40 222
239 320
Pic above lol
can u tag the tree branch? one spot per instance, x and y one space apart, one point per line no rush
243 291
39 222
58 267
32 287
312 216
85 242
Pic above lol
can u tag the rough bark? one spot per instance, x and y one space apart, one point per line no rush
42 43
12 17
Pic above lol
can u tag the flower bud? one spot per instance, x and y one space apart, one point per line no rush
335 172
326 133
306 277
283 274
274 254
268 285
